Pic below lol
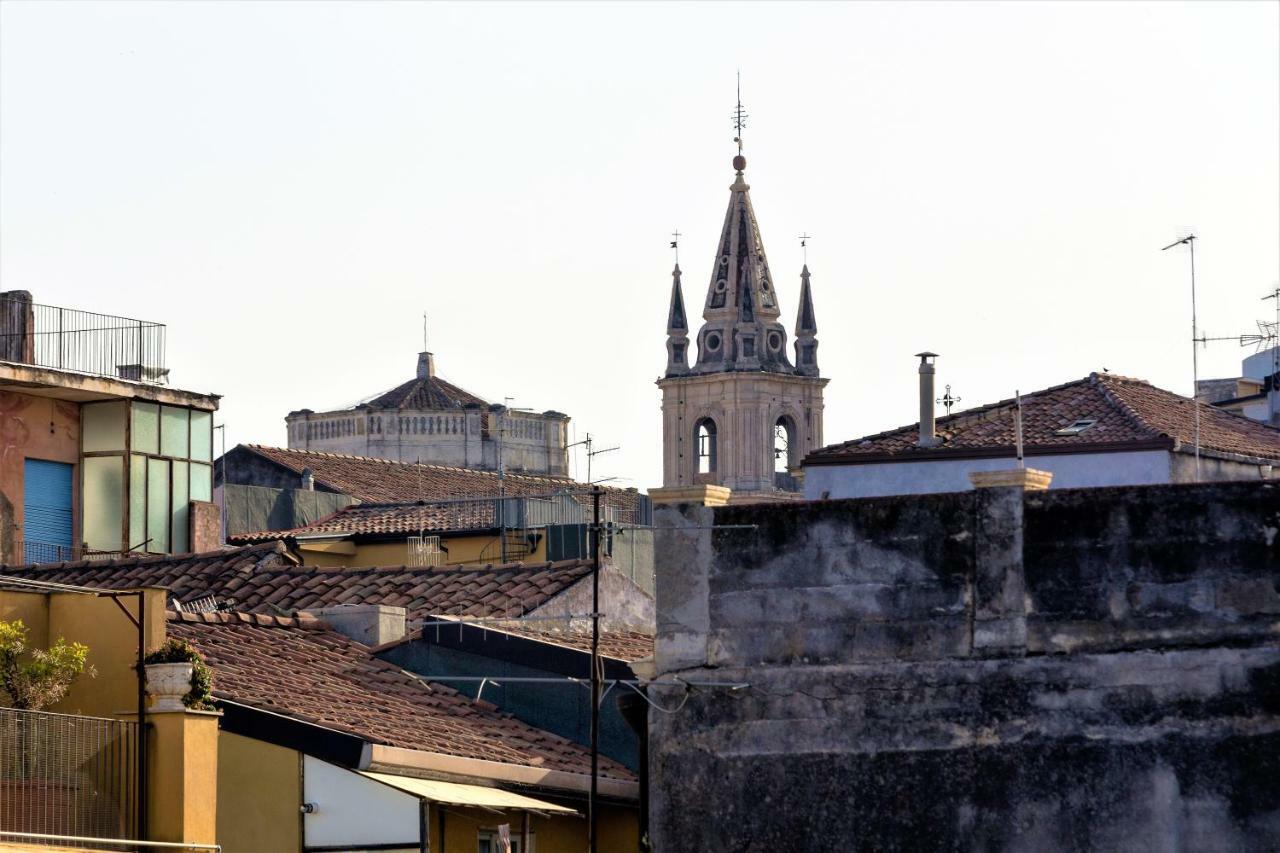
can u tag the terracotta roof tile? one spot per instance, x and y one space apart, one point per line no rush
297 668
628 646
1126 412
263 579
406 484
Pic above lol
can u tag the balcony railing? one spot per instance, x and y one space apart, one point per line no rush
81 341
25 552
67 775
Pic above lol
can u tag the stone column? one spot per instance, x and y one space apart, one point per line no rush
682 565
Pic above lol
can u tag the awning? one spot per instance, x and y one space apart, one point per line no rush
455 794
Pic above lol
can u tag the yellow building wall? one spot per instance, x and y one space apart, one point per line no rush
555 834
99 624
462 549
113 647
182 757
259 794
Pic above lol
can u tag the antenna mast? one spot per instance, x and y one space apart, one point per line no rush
1190 242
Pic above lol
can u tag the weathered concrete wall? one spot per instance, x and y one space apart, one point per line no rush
1073 670
624 606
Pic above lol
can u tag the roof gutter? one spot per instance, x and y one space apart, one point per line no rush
392 758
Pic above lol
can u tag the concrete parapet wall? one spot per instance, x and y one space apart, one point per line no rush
987 670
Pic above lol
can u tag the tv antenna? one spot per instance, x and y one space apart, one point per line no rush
589 443
1190 242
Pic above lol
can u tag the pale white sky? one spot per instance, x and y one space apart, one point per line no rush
289 186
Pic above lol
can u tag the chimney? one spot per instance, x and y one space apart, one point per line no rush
928 435
308 480
426 365
369 624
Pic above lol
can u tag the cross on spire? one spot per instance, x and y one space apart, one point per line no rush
804 244
739 116
675 244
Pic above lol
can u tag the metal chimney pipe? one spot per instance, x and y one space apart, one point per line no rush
928 433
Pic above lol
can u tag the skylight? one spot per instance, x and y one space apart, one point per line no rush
1076 427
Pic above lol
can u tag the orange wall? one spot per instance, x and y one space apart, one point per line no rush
33 428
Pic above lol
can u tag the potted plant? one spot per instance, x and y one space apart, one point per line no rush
178 678
37 678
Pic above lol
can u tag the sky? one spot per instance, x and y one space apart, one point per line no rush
290 186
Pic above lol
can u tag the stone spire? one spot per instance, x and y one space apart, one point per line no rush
806 329
741 329
677 330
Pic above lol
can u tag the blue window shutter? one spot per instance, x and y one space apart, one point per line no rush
47 528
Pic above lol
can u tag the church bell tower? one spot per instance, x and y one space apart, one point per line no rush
742 415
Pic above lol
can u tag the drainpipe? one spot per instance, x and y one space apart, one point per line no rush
928 433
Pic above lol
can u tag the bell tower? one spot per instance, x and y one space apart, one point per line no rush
742 415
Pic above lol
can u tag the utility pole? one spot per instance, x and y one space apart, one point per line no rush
592 810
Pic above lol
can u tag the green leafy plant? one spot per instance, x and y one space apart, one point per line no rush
200 697
37 678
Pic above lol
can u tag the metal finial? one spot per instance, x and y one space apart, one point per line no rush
425 348
947 401
804 244
739 116
675 244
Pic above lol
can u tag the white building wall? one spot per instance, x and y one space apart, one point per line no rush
355 812
1137 468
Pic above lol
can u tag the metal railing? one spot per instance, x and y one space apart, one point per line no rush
67 775
81 341
27 551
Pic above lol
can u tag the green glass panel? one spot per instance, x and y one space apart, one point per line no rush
181 508
137 500
103 502
102 426
158 506
201 436
145 437
201 482
173 432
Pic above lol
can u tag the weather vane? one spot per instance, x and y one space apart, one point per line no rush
804 244
947 400
739 116
675 244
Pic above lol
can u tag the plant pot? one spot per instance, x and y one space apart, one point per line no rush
168 683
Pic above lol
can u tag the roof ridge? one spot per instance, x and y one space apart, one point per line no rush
1100 381
331 455
299 620
457 568
147 559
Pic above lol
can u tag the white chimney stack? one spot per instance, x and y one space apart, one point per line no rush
928 434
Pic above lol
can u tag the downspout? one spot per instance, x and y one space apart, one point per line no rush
142 720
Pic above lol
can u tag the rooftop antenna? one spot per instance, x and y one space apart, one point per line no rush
1190 242
804 245
675 244
739 117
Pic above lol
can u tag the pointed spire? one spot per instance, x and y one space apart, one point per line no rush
677 329
676 321
806 329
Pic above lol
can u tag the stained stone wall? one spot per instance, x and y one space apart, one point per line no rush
1068 670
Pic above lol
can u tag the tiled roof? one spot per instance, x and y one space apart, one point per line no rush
628 646
260 579
385 481
425 392
1128 412
299 669
403 518
183 570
